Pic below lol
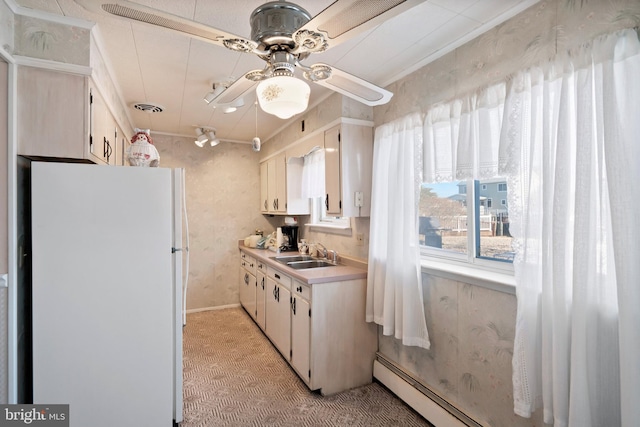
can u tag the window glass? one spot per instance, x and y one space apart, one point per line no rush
319 215
493 222
476 224
443 216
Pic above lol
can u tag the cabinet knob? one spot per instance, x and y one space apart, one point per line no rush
299 288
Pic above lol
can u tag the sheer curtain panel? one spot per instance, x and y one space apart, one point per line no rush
462 137
313 174
571 145
394 285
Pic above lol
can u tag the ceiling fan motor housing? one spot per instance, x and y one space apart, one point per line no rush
273 23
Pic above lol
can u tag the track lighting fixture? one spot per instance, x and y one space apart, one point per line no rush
201 138
218 88
204 135
213 139
234 106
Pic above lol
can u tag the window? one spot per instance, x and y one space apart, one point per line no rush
319 217
464 226
503 202
502 186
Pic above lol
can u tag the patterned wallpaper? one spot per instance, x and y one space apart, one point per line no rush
6 28
223 193
41 39
472 328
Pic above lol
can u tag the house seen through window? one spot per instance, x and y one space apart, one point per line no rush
458 221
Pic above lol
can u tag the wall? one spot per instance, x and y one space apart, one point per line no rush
472 328
223 196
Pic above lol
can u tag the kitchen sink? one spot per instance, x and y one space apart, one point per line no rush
300 262
299 265
285 259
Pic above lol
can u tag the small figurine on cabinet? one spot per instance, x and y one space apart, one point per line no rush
142 152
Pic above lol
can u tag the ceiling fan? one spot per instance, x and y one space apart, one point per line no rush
283 34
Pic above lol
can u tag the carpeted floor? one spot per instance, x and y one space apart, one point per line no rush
233 376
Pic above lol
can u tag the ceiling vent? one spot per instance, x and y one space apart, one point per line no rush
148 107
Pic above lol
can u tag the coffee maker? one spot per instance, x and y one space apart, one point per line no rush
290 234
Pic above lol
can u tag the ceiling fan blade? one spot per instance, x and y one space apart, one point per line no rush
345 19
140 13
236 90
354 87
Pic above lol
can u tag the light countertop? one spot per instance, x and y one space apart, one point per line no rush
347 269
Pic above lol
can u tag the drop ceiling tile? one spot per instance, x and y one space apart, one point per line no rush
391 39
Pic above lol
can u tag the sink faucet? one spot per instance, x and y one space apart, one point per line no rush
323 250
334 255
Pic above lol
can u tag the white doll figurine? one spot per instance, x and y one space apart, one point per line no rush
141 152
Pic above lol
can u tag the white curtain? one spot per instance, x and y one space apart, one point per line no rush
462 137
571 150
394 286
313 174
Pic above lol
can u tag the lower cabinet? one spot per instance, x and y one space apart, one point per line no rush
301 330
248 284
261 292
319 329
278 298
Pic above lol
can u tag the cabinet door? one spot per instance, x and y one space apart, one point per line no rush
248 291
277 316
51 111
264 187
103 129
281 182
333 199
300 336
271 185
261 286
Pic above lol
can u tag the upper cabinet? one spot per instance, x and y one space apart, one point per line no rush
280 185
348 164
63 115
275 169
104 135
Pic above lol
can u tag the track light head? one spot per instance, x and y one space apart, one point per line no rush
218 88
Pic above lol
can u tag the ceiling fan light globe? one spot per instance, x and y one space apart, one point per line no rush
283 96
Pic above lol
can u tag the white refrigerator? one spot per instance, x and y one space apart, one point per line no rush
107 292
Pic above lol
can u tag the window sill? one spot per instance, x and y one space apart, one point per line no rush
330 228
501 281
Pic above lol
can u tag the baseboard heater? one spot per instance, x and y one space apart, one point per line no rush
417 395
